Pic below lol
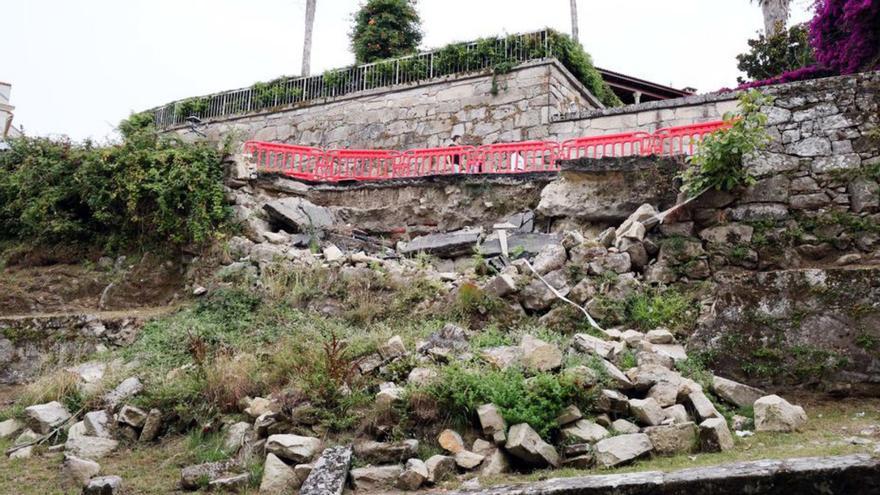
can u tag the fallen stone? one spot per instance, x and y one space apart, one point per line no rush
43 418
300 215
540 355
618 379
88 447
735 393
569 415
674 351
492 423
333 254
647 411
673 439
624 426
665 393
715 435
373 478
702 405
385 453
105 485
132 416
26 436
660 336
77 429
414 475
593 345
421 376
293 448
585 430
259 406
278 477
451 441
393 348
440 468
525 444
444 245
22 453
773 413
329 473
10 428
528 243
199 475
234 483
127 389
235 435
76 472
388 394
468 460
552 257
502 357
501 285
536 296
613 402
497 462
622 449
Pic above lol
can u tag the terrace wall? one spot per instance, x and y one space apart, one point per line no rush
422 115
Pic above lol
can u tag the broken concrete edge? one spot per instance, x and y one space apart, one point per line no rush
858 473
621 164
266 179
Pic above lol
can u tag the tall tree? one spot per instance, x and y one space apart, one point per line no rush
385 29
307 41
776 14
574 21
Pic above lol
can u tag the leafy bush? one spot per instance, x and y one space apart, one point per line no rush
537 400
385 29
773 55
146 191
717 164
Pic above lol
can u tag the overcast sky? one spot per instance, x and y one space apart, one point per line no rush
79 66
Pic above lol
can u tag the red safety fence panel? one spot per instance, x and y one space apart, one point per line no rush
362 164
609 145
315 164
296 161
512 158
682 140
437 161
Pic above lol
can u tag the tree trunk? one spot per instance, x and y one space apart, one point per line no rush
574 20
775 16
307 42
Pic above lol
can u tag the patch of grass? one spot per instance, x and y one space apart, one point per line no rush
206 447
535 400
661 308
867 341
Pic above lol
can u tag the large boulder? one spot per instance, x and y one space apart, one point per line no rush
585 430
647 411
622 449
373 478
673 439
76 472
773 413
525 444
540 355
278 477
444 245
735 393
414 475
329 473
88 447
299 214
385 452
715 435
43 418
293 448
492 423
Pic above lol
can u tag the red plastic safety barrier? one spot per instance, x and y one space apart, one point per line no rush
303 162
437 161
512 158
314 164
682 140
362 164
623 144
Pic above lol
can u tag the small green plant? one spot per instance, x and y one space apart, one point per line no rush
717 164
867 341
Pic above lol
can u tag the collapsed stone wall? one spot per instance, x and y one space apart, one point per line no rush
421 115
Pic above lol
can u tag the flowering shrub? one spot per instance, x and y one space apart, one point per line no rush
845 36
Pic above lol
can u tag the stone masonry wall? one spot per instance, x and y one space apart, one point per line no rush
422 115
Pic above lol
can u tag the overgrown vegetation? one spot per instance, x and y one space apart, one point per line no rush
145 191
717 163
770 56
385 29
